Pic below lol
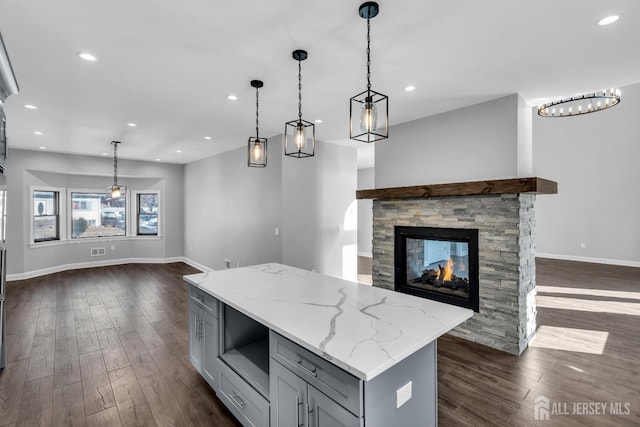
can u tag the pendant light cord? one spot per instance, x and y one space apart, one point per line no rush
368 55
299 91
257 99
115 164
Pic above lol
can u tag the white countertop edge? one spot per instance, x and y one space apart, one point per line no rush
365 376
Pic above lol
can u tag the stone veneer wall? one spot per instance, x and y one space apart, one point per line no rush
415 258
506 230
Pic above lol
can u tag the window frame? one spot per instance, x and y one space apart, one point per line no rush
135 194
60 213
69 218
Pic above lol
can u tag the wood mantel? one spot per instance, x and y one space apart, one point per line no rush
499 186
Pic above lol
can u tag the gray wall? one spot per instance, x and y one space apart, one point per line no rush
468 144
319 211
366 180
232 210
37 168
594 159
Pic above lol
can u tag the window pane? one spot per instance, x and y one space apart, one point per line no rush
45 216
148 214
45 203
45 228
98 215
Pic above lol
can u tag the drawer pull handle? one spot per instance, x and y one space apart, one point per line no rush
298 403
307 370
309 412
236 399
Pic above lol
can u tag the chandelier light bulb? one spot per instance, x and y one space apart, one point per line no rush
369 116
300 137
115 192
257 151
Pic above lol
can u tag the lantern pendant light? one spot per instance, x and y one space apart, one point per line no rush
257 147
299 135
115 188
369 110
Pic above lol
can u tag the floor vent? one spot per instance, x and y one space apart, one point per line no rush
97 251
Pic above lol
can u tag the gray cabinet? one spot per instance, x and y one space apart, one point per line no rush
295 402
195 341
203 335
324 412
210 349
267 380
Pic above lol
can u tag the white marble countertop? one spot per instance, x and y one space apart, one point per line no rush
362 329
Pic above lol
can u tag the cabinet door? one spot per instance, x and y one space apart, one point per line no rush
210 337
324 412
288 397
195 339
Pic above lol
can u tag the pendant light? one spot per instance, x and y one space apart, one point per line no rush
299 135
257 147
115 188
369 110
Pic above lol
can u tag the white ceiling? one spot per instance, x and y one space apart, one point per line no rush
169 66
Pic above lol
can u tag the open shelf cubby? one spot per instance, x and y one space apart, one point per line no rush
245 348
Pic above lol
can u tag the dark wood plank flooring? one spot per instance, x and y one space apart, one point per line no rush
103 347
108 346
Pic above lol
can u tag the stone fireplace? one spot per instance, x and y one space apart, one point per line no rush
502 214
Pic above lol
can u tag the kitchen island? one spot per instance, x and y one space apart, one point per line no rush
283 346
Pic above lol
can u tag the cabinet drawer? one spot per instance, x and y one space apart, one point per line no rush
249 407
204 299
336 383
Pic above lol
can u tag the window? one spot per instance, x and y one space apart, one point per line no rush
45 216
98 215
147 219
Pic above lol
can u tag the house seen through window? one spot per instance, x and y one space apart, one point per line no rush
98 215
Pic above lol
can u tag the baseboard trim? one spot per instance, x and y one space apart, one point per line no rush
608 261
104 263
366 254
197 265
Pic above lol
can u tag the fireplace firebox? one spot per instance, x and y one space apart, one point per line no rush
438 263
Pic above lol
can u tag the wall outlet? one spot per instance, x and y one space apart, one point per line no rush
276 231
403 394
113 247
583 245
227 263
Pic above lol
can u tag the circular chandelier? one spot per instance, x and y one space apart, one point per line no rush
582 104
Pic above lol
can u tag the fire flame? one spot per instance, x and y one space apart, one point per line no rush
448 270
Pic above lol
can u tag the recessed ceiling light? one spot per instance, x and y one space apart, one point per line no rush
30 107
410 88
207 137
608 20
87 56
178 151
37 132
43 148
232 97
104 154
132 125
318 121
157 160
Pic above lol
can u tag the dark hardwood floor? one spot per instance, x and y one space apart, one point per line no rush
108 346
103 347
